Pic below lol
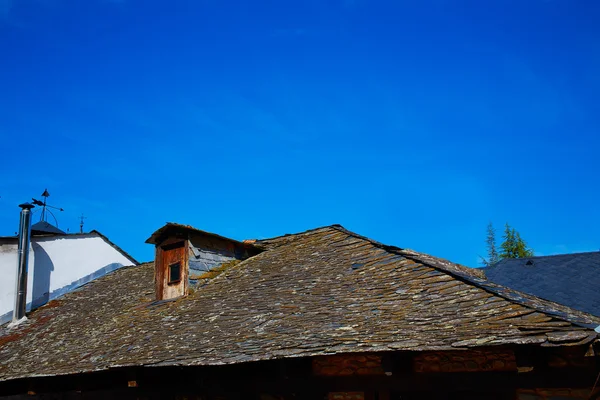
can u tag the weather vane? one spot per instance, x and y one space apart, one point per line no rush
81 223
45 208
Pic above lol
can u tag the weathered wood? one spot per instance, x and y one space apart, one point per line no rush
168 255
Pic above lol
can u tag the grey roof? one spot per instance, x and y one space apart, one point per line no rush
44 227
569 279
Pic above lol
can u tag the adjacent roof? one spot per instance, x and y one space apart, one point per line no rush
323 291
44 227
570 279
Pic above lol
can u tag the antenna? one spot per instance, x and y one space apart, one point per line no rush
81 222
45 207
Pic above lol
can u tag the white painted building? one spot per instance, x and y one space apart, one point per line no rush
57 264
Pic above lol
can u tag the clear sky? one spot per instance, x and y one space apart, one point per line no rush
411 122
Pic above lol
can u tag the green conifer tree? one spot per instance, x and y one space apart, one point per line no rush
492 252
513 245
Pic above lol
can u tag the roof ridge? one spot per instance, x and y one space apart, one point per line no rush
464 274
373 241
334 226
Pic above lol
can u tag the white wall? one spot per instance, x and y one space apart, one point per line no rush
57 265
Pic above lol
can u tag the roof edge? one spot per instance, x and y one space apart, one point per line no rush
334 226
113 245
153 239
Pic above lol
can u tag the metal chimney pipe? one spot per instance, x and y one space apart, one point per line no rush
23 258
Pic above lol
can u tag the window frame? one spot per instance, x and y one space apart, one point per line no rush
169 274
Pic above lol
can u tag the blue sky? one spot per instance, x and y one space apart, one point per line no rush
412 122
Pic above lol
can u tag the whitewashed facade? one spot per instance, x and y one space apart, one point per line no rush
57 265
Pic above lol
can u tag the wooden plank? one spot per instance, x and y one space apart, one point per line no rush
173 254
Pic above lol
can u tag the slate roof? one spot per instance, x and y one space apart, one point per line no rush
323 291
43 227
569 279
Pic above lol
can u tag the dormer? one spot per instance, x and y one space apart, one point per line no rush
185 254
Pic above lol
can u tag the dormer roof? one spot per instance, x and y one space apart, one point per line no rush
173 228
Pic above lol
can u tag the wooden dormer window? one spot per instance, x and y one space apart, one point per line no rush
184 254
171 271
174 273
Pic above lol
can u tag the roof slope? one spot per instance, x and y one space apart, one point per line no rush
321 292
570 279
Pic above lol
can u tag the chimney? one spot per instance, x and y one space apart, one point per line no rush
23 258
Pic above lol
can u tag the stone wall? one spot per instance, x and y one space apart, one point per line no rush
428 362
553 394
345 365
465 361
346 396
